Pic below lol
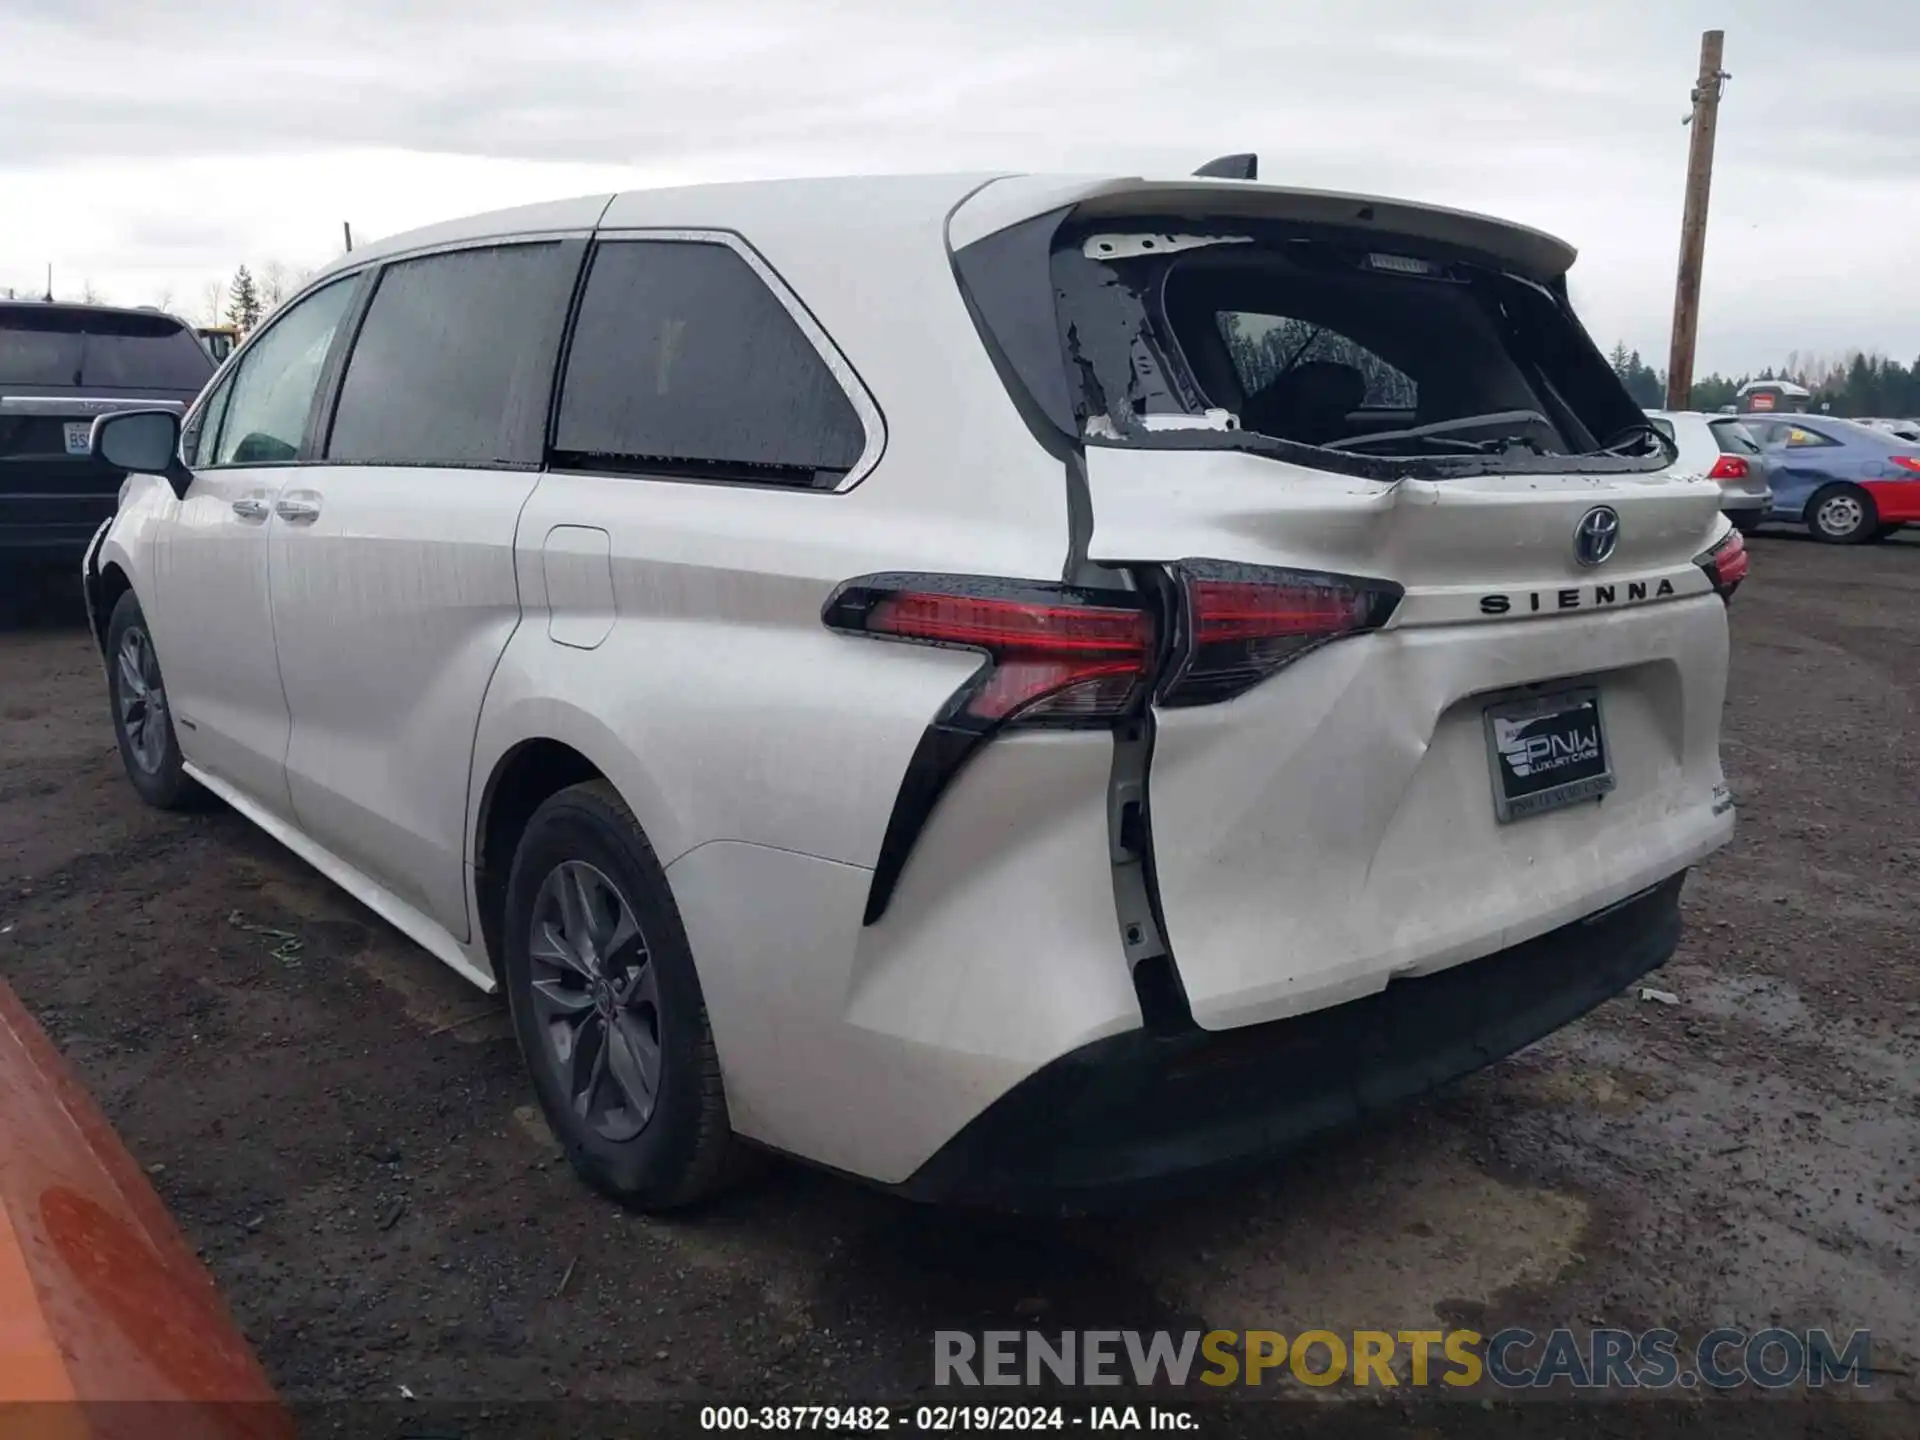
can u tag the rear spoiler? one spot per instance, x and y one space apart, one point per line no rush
1010 200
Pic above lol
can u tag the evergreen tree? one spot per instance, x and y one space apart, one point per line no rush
243 301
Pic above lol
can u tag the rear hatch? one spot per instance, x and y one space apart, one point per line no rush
1445 659
61 366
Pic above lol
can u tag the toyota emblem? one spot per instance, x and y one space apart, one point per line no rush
1596 536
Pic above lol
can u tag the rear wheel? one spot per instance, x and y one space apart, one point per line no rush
608 1008
142 720
1842 515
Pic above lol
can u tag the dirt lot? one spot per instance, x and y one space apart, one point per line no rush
341 1125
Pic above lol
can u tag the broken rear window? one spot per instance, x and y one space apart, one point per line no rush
1383 354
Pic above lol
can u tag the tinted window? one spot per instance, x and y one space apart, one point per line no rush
54 345
266 414
684 363
1266 347
454 364
1734 438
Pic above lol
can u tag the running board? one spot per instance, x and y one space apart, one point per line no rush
425 933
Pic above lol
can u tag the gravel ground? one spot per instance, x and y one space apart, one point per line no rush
341 1125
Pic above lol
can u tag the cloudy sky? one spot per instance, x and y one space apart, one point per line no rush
146 148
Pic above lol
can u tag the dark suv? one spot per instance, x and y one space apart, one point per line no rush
60 366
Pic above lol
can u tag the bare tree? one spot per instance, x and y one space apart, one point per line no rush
213 295
272 286
89 295
164 300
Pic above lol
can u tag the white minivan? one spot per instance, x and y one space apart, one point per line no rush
1019 688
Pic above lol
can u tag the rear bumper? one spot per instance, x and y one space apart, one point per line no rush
1735 502
1135 1114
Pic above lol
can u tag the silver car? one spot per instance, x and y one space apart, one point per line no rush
1721 448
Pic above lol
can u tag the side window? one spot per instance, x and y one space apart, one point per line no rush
454 362
1265 347
684 363
272 391
1801 438
202 434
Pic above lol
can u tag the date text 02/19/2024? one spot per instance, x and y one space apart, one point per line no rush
939 1419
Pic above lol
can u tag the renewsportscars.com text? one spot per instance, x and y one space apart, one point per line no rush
1599 1359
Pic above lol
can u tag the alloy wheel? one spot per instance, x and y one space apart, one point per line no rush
596 999
142 700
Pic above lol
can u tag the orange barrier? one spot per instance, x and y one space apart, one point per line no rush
109 1325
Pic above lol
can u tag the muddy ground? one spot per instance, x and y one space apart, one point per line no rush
342 1127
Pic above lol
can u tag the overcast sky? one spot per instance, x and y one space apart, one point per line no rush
147 148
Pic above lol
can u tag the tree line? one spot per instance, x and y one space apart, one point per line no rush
1853 383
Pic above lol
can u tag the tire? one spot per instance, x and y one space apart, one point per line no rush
142 720
1842 515
588 1017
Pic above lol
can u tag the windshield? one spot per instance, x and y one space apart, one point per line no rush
1363 347
59 347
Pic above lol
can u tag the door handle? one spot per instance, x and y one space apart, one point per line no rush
297 510
250 507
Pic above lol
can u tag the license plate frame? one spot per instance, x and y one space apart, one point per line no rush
1532 739
78 436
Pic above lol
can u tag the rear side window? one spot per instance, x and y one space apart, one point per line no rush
684 363
57 346
1734 438
454 362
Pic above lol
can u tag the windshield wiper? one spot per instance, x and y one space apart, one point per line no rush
1436 434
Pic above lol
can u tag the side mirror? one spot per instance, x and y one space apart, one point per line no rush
143 441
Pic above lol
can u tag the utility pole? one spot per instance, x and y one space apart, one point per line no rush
1693 225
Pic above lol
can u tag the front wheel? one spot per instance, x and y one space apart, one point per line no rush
608 1008
1843 515
142 719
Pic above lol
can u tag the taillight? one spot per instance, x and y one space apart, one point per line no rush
1906 462
1726 564
1241 623
1057 655
1728 467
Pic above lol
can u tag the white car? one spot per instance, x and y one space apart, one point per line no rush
1724 450
1017 688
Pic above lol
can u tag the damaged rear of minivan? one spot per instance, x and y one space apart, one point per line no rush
1428 738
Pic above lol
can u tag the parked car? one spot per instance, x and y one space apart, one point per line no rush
1016 689
1724 450
104 1303
60 366
1845 481
1899 429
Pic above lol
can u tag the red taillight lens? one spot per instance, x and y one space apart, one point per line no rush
1728 467
1906 462
1242 623
1727 564
1058 655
